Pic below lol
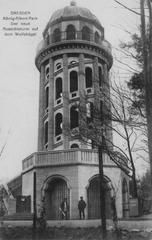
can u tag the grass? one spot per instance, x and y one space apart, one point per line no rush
26 233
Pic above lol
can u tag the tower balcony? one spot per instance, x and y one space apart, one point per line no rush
64 157
78 36
54 42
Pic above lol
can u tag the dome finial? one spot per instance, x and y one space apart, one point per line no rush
73 3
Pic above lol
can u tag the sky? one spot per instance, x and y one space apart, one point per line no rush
19 78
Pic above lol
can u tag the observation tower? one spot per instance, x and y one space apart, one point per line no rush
72 58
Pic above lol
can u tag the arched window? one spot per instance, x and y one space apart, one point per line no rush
88 77
46 133
74 145
56 35
47 72
73 81
58 88
47 39
58 124
73 117
86 33
58 66
100 76
47 97
96 37
124 186
70 31
102 35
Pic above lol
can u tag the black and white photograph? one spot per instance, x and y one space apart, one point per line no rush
76 120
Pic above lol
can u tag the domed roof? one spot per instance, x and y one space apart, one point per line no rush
72 12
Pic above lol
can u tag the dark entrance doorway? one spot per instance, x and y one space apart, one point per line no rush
55 192
94 199
23 204
125 200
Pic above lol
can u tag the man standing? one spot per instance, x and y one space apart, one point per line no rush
81 207
64 209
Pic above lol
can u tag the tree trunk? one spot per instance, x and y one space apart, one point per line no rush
147 75
102 194
34 201
135 194
149 88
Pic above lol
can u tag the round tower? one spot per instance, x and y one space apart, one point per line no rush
72 58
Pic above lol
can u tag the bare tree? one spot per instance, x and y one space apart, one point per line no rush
146 30
113 113
128 126
101 115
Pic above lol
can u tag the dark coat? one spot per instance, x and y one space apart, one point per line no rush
81 205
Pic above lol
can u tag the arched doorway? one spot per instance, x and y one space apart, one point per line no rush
125 199
93 195
55 191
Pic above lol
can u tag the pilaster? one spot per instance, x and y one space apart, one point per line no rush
106 83
51 106
66 113
96 83
81 75
81 84
41 109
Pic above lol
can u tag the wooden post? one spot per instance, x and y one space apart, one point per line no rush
34 201
102 193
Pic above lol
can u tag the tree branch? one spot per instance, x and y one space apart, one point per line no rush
127 8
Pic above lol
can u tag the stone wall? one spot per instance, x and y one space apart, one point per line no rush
77 178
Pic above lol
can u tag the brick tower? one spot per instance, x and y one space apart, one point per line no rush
72 54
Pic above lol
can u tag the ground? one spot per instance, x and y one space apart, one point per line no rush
26 233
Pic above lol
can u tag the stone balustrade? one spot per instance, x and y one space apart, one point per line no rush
63 157
102 42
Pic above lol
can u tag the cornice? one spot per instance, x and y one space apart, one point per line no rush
73 46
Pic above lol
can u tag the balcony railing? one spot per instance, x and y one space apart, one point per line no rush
63 157
63 36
